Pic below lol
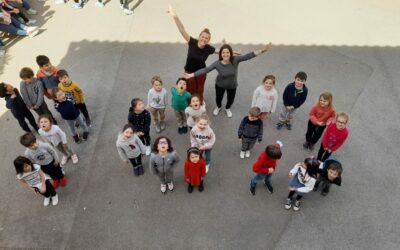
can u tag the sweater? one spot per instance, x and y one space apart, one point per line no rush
202 137
265 99
323 170
251 129
227 73
320 114
55 135
67 110
32 93
141 122
334 138
179 101
157 100
73 92
43 155
194 172
49 79
263 164
196 57
32 178
16 104
162 164
294 97
131 148
193 114
299 172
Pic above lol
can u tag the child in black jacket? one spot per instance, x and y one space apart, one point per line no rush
140 118
329 172
250 131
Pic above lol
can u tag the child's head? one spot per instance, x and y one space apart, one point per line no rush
181 84
254 113
26 74
195 101
300 79
127 131
274 151
5 89
226 52
325 100
202 121
204 37
44 62
157 83
29 140
63 77
312 165
342 119
269 82
59 95
334 170
194 154
137 105
22 165
45 122
162 145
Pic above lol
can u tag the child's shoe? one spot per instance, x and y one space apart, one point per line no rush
158 128
171 186
279 125
242 153
253 190
46 201
30 22
306 145
76 6
288 204
324 193
270 189
316 186
64 160
247 153
31 11
76 138
296 206
228 113
141 170
74 158
162 125
59 1
54 200
190 189
148 150
201 187
216 111
99 4
163 188
136 171
128 12
85 136
288 126
63 181
311 147
56 183
180 130
184 129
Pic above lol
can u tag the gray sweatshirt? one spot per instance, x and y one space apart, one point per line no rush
43 155
158 100
32 93
128 149
163 164
227 73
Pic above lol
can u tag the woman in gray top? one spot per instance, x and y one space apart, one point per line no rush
227 67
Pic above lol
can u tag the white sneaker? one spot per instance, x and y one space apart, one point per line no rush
46 201
163 188
121 6
74 158
30 22
148 150
31 11
54 200
33 33
76 6
31 29
216 111
247 153
98 4
59 1
64 160
207 167
228 112
128 12
170 186
242 154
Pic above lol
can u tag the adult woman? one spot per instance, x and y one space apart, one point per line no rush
227 67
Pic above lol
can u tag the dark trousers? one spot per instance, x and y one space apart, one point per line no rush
44 109
323 154
54 171
124 3
314 132
83 109
20 115
220 92
50 191
136 161
324 183
145 139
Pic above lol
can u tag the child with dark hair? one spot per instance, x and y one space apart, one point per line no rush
163 161
179 103
32 178
195 169
140 118
294 96
265 166
43 154
130 148
18 108
47 74
329 172
250 131
303 177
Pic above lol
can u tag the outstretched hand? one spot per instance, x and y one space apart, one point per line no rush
171 11
187 75
267 47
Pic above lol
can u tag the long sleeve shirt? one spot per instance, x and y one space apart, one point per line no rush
157 99
193 114
43 155
32 93
49 79
194 172
16 104
298 171
251 129
320 114
264 164
294 97
141 121
55 135
67 110
73 92
264 99
130 148
334 138
202 137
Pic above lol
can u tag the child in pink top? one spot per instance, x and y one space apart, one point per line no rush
321 115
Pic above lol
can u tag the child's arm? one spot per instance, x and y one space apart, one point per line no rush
312 114
178 23
256 94
201 71
260 132
187 176
303 97
241 127
294 170
62 135
331 117
210 143
122 154
152 167
26 185
43 180
340 142
308 186
286 96
141 145
80 98
25 96
274 102
40 99
193 141
148 99
53 153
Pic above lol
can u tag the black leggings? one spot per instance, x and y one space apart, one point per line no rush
50 191
136 161
298 197
54 171
83 109
314 132
323 154
20 115
145 139
220 92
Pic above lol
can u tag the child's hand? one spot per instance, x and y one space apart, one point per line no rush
43 188
65 147
202 148
290 175
168 109
270 170
35 107
126 161
257 144
188 180
240 140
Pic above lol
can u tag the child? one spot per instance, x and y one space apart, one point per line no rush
195 169
131 148
195 109
321 114
179 103
74 93
250 131
163 160
334 137
71 115
303 176
32 92
43 154
33 179
54 135
47 74
329 172
294 96
140 118
265 166
203 137
157 100
17 106
265 97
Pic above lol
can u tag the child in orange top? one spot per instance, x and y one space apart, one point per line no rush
195 169
321 114
47 74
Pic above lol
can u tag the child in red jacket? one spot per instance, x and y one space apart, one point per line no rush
195 169
265 166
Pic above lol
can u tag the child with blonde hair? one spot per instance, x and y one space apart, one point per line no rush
265 97
157 100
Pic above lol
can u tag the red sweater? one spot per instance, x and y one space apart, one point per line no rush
194 172
263 164
320 114
334 138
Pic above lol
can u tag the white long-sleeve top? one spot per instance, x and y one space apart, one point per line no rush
266 100
303 178
55 135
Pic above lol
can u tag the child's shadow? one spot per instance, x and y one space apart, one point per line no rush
136 5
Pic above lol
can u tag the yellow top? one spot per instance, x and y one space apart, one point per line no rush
73 92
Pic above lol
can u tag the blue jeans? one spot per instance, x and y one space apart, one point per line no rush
78 120
207 156
14 28
259 177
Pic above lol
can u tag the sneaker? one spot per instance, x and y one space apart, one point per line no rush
64 160
148 150
59 1
158 128
63 181
56 183
207 167
136 171
270 189
288 204
46 201
85 136
247 153
316 186
76 138
190 189
324 193
180 130
76 6
228 113
98 4
54 200
162 125
74 158
121 6
128 12
279 125
311 147
30 22
296 206
201 187
216 111
141 170
171 186
184 129
88 123
163 188
306 145
288 126
242 153
253 190
31 11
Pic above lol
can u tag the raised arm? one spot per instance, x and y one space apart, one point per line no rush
178 23
263 50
